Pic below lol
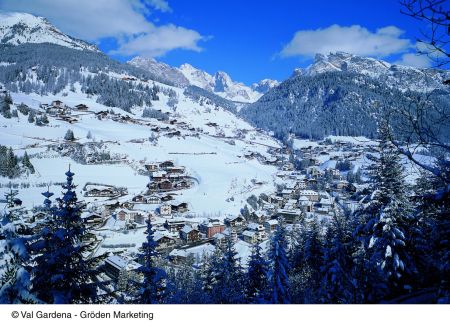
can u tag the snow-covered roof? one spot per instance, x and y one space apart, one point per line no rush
248 233
200 250
159 174
253 226
219 236
122 263
325 201
308 193
187 229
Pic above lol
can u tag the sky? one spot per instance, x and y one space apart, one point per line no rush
250 40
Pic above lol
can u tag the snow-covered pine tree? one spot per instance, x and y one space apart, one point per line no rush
432 229
69 135
27 163
31 117
299 275
279 269
12 169
62 271
152 288
312 256
337 284
388 213
184 284
228 285
14 256
8 98
257 282
6 110
210 265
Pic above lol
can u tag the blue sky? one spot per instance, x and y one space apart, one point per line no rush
250 40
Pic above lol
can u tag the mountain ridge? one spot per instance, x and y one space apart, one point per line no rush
18 28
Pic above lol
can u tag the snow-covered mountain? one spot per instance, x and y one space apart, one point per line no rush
221 84
342 94
265 85
160 69
401 77
20 28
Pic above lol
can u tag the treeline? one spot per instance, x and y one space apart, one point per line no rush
55 72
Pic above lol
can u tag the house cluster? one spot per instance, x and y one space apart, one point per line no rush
62 111
166 177
103 191
264 159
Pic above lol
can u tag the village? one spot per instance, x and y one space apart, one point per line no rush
314 181
317 191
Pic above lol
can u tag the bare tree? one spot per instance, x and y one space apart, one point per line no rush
425 125
435 39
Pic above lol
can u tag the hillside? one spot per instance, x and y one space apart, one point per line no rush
342 94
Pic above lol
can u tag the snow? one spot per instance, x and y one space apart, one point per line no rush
36 30
223 175
388 252
409 78
220 84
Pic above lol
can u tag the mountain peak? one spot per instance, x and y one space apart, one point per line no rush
17 28
222 81
265 85
160 69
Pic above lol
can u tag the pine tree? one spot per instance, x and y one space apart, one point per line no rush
14 256
27 164
11 164
257 277
8 98
184 285
387 215
369 285
44 119
431 230
337 285
279 269
6 110
69 135
153 285
312 261
210 265
228 274
62 271
31 117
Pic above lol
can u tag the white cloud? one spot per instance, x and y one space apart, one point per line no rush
161 40
424 57
124 20
414 60
161 5
354 39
